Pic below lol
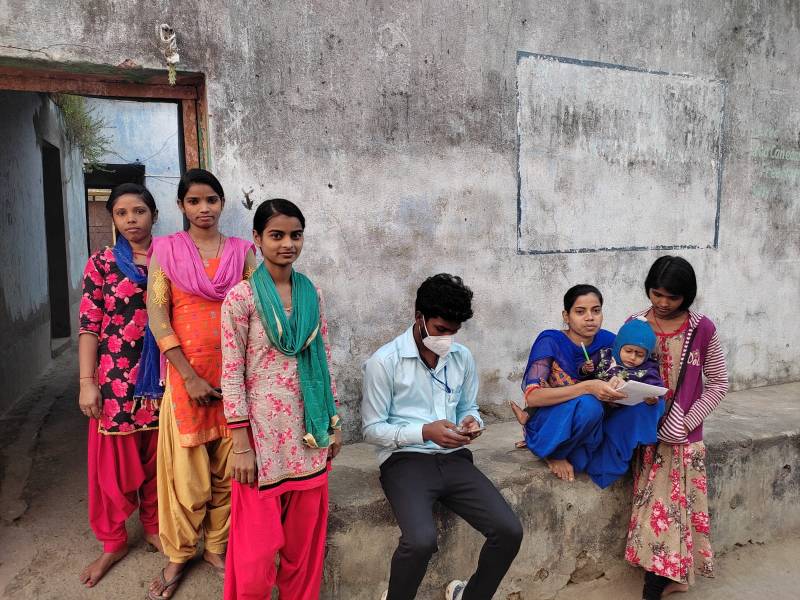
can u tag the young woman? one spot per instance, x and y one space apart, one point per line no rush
190 273
567 427
278 395
119 381
669 529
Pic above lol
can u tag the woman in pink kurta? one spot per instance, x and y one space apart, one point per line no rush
279 498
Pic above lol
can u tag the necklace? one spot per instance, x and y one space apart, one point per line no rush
139 253
658 325
216 254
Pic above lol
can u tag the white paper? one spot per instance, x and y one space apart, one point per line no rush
638 391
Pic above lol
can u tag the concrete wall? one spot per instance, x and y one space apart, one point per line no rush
400 129
147 133
24 302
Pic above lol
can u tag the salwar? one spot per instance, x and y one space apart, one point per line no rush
122 477
572 430
624 429
292 524
194 491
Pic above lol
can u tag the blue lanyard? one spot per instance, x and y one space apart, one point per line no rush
444 383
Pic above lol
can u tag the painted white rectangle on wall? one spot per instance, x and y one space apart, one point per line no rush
616 158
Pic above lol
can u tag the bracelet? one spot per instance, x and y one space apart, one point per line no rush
82 378
242 451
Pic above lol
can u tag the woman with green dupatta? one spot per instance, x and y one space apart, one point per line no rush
279 400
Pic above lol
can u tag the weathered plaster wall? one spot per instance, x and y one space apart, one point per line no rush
146 132
24 302
394 125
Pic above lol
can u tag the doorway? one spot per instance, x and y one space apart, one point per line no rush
47 214
56 242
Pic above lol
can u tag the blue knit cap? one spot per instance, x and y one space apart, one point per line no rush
636 332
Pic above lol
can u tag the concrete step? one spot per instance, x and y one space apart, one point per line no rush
574 532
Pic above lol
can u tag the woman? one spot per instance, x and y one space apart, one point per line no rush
279 396
568 426
119 381
669 529
190 273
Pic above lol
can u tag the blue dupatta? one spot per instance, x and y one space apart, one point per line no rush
149 374
554 344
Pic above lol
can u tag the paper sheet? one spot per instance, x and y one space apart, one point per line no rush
637 392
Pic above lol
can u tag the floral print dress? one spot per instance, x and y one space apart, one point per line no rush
261 388
669 529
113 308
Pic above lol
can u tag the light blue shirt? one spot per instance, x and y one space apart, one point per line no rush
401 394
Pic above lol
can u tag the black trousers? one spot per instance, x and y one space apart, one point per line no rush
413 482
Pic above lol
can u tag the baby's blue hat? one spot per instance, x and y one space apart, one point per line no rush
636 332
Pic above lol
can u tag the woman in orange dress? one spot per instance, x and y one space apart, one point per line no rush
190 273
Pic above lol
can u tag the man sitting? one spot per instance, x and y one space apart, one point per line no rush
416 388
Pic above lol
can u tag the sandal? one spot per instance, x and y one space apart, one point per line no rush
165 585
520 444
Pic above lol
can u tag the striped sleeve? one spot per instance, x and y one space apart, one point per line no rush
673 429
715 388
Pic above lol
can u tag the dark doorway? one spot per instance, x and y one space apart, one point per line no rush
98 184
57 278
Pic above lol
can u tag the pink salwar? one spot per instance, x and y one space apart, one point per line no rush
293 524
122 477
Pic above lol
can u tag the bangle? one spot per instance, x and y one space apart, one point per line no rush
90 377
242 451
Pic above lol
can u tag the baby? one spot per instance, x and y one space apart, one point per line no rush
631 357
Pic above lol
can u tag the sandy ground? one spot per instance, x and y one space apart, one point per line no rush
45 538
752 572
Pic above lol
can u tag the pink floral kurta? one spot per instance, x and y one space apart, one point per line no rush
113 308
260 386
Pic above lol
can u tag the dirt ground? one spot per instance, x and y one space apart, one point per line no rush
45 538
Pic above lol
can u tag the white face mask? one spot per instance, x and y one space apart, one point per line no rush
438 344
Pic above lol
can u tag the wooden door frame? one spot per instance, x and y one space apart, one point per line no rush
121 83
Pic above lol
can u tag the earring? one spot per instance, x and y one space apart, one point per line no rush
566 326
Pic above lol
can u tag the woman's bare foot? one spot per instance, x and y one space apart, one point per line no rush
166 583
522 416
95 570
561 468
675 588
215 560
155 541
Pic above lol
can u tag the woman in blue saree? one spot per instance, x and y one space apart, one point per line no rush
567 422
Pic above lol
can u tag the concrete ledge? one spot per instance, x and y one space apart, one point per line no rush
573 532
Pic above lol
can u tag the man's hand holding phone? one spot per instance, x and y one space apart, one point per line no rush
470 427
445 434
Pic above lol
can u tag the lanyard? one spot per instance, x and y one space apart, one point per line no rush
443 383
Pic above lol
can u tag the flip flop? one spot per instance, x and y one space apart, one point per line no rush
520 444
165 585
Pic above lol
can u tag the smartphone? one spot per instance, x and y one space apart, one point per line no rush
474 433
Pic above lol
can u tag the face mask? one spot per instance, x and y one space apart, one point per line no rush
438 344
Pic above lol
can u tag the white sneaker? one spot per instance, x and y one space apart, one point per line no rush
454 589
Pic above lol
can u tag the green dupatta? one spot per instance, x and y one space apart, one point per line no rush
299 335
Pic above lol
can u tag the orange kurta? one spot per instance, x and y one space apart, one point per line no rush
196 322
